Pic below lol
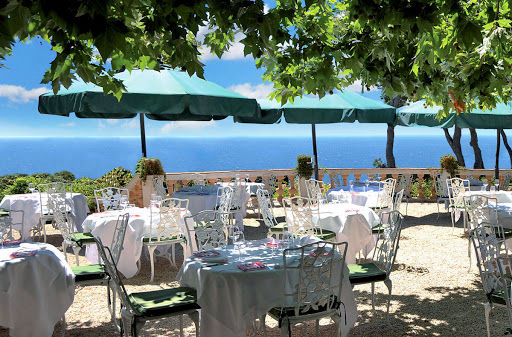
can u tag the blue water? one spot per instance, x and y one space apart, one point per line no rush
92 157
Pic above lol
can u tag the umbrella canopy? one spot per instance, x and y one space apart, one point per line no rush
418 114
342 107
160 95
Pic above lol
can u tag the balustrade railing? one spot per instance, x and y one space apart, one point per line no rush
422 186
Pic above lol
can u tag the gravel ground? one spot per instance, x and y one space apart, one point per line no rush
433 292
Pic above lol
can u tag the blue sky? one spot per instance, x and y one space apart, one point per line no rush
20 86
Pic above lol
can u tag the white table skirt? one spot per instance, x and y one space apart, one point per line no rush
231 299
35 291
103 225
30 205
351 223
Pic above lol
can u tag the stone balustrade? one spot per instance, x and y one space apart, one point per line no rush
422 186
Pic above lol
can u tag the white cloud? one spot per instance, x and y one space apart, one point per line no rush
18 94
356 87
112 121
101 125
68 125
258 91
185 125
130 124
235 52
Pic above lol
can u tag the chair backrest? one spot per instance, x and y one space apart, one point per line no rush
337 180
238 193
207 229
481 209
110 263
398 200
505 182
270 184
224 197
317 286
116 246
171 213
488 253
456 189
56 187
386 194
111 198
58 208
267 210
440 186
404 183
160 185
314 190
199 180
386 246
299 212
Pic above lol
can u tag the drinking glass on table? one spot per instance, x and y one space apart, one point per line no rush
366 184
238 239
351 184
496 184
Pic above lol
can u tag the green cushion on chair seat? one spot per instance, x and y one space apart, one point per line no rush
4 213
82 238
378 229
279 228
89 272
167 301
278 312
171 238
326 235
365 273
498 298
507 232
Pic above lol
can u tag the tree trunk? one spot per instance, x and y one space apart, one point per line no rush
497 164
479 162
505 142
390 157
455 144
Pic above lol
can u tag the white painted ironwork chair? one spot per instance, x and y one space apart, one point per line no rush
168 230
44 191
314 189
12 218
456 189
505 182
386 194
223 202
267 211
337 181
384 254
111 198
441 189
317 293
161 188
140 307
199 180
494 265
299 213
404 183
207 230
237 201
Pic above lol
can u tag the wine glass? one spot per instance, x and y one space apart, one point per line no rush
238 239
366 184
496 184
351 184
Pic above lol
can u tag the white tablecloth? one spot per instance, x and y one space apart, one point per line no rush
502 197
35 291
231 299
30 205
351 223
103 225
368 198
251 188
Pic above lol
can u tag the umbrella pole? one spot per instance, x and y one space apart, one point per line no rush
497 165
315 155
143 135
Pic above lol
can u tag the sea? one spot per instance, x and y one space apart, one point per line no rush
93 157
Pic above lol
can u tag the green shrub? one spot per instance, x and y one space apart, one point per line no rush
118 177
148 166
450 165
378 163
304 166
64 176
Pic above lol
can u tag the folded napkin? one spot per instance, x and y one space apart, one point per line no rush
23 253
12 242
210 256
252 266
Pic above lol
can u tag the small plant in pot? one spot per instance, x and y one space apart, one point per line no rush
304 170
449 165
147 167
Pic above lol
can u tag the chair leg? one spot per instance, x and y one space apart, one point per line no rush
76 251
194 316
469 255
388 284
406 206
64 248
438 212
181 325
173 254
63 323
151 250
487 310
286 331
373 296
452 214
263 327
317 328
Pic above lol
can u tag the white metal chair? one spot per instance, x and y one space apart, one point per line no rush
337 181
441 191
386 194
111 198
399 196
237 201
314 189
404 183
44 191
11 222
168 230
161 188
505 182
317 294
223 202
138 308
199 180
384 255
270 183
267 212
494 265
207 229
456 189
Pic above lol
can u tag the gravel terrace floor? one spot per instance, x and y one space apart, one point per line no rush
433 292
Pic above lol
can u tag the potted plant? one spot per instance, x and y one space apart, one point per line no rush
304 170
148 167
449 166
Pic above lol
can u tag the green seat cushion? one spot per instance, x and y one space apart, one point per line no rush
507 232
365 273
89 272
4 213
325 235
278 312
162 302
171 238
498 298
378 229
82 238
279 228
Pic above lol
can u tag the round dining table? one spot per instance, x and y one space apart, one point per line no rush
37 287
103 225
231 299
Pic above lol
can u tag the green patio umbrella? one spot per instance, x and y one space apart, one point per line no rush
342 107
417 114
160 95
